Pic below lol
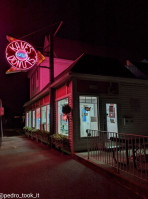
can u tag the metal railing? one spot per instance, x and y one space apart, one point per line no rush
125 152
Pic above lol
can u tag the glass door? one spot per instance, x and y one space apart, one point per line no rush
111 117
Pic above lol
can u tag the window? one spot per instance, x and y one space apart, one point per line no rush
33 118
48 117
44 118
38 118
62 122
29 119
88 114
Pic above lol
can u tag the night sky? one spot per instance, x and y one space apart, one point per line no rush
111 23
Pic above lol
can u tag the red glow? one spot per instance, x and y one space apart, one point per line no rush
21 55
1 111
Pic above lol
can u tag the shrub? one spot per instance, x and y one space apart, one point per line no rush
27 129
60 138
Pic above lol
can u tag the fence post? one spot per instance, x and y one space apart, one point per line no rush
117 154
87 131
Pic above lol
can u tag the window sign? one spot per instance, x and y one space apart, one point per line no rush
43 117
88 114
48 117
62 122
33 118
38 118
29 119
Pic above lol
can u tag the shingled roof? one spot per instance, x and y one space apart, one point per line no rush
89 64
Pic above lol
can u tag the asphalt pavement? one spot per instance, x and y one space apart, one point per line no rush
30 169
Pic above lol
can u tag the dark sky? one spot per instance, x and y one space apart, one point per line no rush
112 23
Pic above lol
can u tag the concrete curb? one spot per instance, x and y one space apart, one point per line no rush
129 182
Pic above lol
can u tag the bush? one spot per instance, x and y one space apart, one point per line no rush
60 139
27 129
45 132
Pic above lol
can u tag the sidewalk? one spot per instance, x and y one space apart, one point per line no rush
30 167
128 181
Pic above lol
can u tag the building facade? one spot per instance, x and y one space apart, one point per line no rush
103 95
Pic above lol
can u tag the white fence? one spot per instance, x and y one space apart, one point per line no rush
126 152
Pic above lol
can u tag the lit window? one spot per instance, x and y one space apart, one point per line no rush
43 118
48 117
88 114
38 118
33 118
62 120
30 119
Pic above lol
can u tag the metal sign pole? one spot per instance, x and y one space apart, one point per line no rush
51 75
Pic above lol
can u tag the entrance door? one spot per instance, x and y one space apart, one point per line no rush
111 117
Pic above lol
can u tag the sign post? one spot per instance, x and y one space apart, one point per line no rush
51 75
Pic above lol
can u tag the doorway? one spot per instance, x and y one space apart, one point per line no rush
111 117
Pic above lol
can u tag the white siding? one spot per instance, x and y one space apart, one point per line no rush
134 108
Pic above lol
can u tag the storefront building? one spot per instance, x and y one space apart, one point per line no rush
103 95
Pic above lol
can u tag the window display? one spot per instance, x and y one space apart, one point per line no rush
62 120
29 119
38 118
43 118
33 118
48 117
88 114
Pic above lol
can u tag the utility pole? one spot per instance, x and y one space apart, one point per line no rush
51 75
51 90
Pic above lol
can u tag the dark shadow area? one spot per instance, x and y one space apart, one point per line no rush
13 126
9 132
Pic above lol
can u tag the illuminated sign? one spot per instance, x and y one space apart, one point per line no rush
21 55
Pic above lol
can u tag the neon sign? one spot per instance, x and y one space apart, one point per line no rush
21 55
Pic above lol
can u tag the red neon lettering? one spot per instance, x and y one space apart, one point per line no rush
22 46
15 48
